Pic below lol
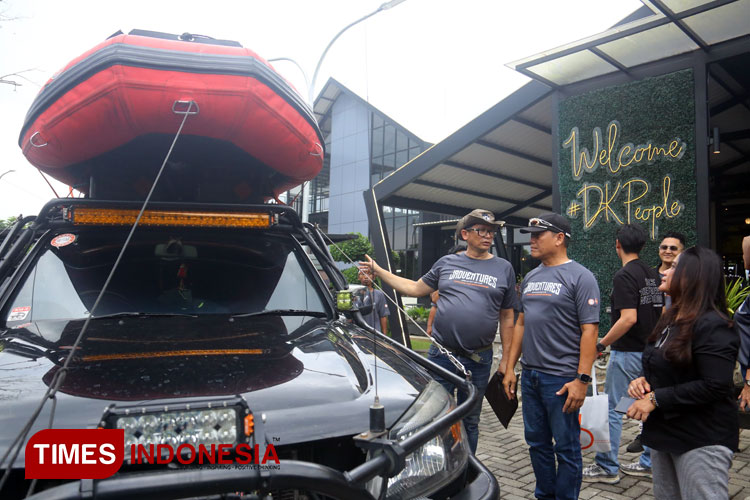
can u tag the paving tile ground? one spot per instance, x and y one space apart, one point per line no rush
505 453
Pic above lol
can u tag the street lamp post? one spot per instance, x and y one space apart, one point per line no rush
311 86
385 6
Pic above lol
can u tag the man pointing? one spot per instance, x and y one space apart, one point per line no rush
476 290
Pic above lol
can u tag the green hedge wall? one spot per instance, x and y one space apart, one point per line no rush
659 112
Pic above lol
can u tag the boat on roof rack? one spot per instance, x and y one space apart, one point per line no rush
104 123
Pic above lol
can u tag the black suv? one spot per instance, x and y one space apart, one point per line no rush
215 307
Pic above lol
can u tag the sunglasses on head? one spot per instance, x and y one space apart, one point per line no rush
669 247
537 222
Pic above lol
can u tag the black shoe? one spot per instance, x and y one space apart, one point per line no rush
635 446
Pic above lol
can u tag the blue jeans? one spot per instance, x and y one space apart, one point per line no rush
480 376
623 367
543 421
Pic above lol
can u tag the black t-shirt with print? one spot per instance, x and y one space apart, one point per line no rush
636 286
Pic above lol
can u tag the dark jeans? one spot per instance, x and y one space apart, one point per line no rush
480 376
543 421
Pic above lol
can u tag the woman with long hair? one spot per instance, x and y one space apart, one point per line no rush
685 397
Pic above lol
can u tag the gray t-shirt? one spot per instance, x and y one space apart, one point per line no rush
556 301
472 293
379 309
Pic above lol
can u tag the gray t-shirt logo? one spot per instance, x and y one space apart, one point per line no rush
542 288
469 278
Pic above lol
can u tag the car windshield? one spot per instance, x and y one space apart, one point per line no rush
165 272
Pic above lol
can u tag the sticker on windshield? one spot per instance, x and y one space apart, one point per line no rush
19 313
62 240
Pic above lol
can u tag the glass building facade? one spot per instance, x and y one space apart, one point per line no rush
363 146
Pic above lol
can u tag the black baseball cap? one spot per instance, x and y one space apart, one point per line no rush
548 222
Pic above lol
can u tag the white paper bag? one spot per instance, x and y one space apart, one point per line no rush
594 419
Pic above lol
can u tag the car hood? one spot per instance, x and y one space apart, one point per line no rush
311 379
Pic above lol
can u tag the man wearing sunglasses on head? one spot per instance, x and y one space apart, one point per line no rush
556 332
476 290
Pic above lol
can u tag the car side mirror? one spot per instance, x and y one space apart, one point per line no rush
344 300
365 310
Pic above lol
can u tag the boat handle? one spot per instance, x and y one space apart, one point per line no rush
31 140
313 153
188 104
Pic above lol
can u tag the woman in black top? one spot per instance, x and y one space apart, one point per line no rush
685 397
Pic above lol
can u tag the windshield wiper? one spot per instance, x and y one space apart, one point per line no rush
143 315
282 312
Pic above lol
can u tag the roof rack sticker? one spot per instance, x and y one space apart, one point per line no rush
62 240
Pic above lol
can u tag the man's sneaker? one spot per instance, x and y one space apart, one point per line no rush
594 473
635 446
636 469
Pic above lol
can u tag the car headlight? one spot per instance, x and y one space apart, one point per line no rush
439 460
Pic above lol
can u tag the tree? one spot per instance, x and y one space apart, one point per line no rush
5 223
352 251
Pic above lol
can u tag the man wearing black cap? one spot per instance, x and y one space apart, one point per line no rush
557 331
476 289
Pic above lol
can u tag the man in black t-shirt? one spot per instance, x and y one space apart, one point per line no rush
636 307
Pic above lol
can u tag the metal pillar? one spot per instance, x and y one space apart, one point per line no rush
379 239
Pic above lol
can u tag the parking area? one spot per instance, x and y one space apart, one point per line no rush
505 453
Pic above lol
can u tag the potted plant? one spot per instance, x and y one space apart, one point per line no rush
419 315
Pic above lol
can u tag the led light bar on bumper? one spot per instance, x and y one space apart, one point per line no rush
80 216
439 461
214 422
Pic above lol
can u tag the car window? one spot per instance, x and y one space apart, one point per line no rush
166 273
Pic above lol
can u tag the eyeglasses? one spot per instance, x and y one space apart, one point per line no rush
537 222
482 231
669 247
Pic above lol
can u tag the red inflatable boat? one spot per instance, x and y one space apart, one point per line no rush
104 124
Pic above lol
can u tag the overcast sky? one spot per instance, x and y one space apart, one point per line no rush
432 65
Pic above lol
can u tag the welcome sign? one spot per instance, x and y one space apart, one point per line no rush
628 199
627 155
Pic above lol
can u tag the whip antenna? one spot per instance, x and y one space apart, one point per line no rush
60 375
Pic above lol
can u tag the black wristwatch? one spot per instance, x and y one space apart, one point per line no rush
586 379
600 347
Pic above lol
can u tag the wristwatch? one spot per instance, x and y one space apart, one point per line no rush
586 379
652 398
747 381
600 347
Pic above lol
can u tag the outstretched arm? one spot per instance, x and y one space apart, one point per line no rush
401 285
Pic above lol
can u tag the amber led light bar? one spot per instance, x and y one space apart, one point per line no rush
82 216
